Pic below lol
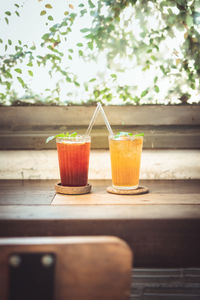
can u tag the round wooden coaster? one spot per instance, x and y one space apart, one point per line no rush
140 190
72 190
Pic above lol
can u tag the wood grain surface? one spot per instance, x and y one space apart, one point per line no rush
162 227
99 196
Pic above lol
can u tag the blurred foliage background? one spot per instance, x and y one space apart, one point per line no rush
141 52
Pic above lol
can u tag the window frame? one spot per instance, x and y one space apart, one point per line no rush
165 127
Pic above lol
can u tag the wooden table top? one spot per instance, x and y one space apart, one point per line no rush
161 227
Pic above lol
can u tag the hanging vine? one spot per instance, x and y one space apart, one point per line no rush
111 32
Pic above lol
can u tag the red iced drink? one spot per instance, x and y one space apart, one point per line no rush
73 156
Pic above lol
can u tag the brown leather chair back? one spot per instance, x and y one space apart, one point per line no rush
65 268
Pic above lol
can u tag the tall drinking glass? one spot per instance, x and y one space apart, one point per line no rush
73 157
125 154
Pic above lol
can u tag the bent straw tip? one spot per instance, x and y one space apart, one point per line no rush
93 119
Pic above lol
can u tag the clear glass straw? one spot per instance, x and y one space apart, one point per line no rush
93 120
105 119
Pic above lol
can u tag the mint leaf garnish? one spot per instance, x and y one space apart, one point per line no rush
124 133
67 134
139 134
72 134
50 138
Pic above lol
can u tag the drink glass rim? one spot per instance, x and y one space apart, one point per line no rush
76 139
125 138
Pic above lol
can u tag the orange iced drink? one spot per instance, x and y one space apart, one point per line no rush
125 154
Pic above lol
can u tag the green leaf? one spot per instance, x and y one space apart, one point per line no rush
16 12
50 18
96 93
139 134
153 57
53 28
8 13
90 45
83 12
73 134
33 47
48 6
156 88
80 52
17 5
91 4
93 79
8 85
163 70
89 36
64 33
114 76
30 64
123 133
7 74
50 138
67 134
127 134
155 79
144 93
79 45
18 70
68 79
21 81
84 30
73 15
1 41
30 72
181 2
108 97
6 19
9 42
189 21
45 36
43 12
92 13
2 96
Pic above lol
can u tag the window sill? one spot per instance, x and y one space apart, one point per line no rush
165 127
